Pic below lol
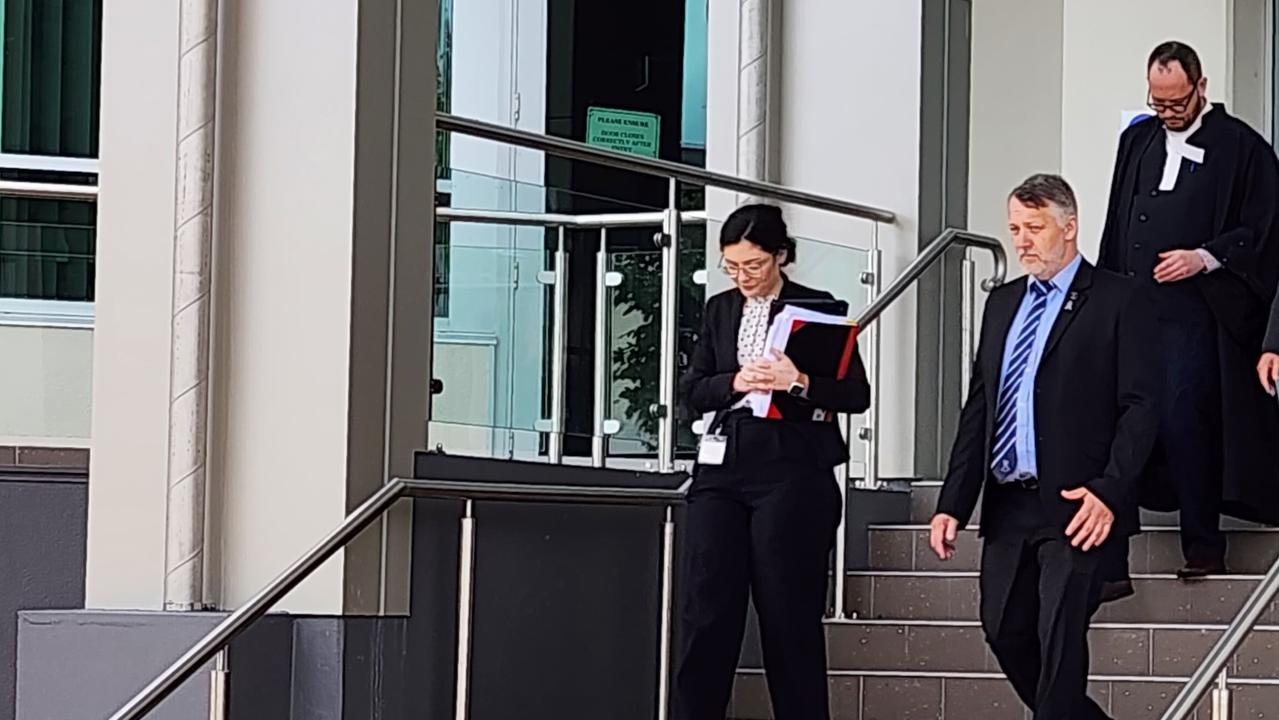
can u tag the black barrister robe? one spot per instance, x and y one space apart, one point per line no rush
1236 218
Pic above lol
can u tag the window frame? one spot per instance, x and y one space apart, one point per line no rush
33 312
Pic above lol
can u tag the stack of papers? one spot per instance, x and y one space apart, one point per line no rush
779 333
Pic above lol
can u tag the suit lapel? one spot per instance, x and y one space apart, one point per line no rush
1001 321
1076 296
731 328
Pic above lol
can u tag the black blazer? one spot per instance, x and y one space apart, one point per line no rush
708 387
1096 396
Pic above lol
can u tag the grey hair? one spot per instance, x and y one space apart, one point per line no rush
1048 190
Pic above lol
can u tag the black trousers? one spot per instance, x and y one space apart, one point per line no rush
1038 595
1190 425
767 532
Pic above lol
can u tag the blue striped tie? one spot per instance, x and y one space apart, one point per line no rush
1005 453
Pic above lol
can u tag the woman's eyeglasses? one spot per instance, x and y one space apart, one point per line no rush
750 268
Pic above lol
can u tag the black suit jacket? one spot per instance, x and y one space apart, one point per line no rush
708 387
1096 396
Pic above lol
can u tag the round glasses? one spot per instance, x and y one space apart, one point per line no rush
750 268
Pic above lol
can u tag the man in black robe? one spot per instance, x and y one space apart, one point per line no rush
1194 211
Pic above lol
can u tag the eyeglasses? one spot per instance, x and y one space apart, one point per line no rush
1179 105
750 268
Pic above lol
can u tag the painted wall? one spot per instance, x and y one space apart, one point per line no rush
1104 54
46 380
1016 104
131 337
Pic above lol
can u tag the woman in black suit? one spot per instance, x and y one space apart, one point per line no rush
762 519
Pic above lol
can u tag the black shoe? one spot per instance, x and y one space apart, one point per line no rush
1199 569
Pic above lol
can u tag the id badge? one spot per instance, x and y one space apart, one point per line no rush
712 449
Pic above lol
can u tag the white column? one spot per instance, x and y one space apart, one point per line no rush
758 78
184 566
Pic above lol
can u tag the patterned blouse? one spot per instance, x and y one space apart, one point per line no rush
753 332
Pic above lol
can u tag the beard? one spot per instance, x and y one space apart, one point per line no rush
1181 122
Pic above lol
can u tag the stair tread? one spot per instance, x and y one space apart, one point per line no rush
975 573
864 696
915 527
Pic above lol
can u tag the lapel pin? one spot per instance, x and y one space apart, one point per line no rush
1070 301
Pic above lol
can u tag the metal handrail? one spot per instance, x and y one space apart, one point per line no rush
952 237
47 191
217 639
524 492
574 150
594 221
1213 667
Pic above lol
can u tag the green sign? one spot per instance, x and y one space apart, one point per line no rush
624 131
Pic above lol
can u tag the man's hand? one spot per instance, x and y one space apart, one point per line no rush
1268 371
1178 265
942 534
1091 525
779 371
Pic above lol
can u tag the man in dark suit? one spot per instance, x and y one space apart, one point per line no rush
1059 422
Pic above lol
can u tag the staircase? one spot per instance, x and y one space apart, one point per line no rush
914 650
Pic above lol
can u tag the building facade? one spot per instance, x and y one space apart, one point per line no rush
340 286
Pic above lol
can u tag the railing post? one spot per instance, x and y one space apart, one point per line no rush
218 686
839 606
869 432
968 331
667 618
599 440
465 606
668 347
559 351
1221 698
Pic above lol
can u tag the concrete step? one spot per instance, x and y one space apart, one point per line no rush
1156 550
1119 649
923 503
952 595
987 696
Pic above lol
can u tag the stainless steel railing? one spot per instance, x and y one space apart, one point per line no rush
669 242
1212 672
207 648
602 425
950 238
868 433
47 191
573 150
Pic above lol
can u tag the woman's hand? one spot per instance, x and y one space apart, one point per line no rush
778 371
750 378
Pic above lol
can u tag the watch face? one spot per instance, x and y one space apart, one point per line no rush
796 389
